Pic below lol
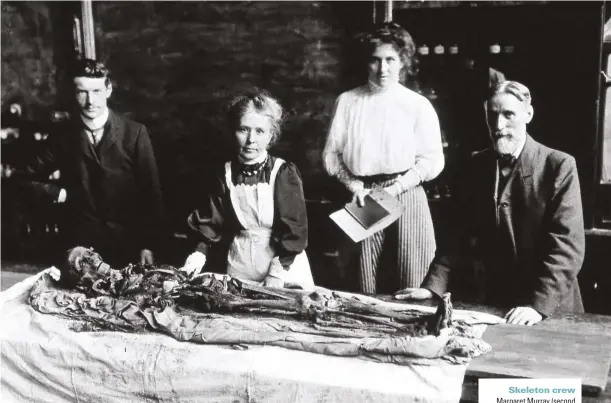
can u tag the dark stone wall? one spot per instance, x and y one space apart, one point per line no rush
177 64
28 70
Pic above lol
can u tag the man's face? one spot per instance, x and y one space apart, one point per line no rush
507 118
91 95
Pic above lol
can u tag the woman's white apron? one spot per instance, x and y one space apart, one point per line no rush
251 253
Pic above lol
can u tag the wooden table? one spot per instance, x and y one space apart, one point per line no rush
585 324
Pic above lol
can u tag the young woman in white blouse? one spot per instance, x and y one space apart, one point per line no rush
384 134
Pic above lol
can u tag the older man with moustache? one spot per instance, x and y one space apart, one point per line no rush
521 216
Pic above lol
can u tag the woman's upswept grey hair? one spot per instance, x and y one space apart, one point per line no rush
395 35
259 101
518 90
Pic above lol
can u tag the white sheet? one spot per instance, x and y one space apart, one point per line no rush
44 361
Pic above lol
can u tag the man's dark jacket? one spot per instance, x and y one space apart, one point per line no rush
531 254
114 201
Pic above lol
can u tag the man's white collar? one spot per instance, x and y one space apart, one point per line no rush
519 148
96 123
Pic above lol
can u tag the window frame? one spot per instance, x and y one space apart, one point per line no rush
602 190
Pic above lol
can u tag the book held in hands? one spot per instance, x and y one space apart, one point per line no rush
379 211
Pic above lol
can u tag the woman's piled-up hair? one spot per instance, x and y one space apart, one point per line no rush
395 35
259 101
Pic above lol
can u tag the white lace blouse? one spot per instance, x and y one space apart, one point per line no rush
377 130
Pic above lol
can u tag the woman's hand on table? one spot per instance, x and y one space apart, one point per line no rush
523 315
359 196
275 276
413 293
194 263
274 282
146 256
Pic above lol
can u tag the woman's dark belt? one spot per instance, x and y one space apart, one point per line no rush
380 179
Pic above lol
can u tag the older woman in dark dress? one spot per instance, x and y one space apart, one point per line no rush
253 223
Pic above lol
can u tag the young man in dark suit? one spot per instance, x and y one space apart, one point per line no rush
521 216
109 174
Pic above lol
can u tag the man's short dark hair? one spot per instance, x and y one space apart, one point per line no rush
90 68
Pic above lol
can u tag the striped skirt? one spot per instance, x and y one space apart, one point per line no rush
399 255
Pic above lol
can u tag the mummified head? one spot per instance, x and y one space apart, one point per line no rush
85 261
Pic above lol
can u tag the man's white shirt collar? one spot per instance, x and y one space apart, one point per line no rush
519 149
96 123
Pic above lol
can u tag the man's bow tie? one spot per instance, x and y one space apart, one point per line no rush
506 159
506 163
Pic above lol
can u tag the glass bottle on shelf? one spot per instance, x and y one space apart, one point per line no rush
509 49
494 59
510 57
434 80
494 49
424 68
453 62
502 60
439 54
454 77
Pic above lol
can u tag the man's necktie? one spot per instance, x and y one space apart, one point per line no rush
96 135
506 163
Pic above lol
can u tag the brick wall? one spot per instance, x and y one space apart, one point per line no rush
28 70
176 64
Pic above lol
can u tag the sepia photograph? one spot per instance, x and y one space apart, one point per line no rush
305 201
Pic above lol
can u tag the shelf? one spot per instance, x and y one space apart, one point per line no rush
411 4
